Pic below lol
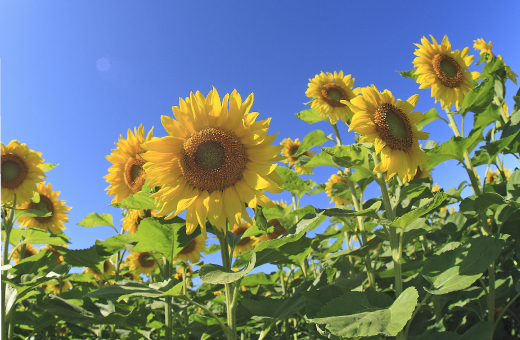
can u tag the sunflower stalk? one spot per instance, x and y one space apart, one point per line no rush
8 227
229 289
185 291
168 305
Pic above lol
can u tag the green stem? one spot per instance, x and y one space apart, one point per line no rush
5 257
266 330
336 132
185 289
187 299
414 314
226 263
505 310
491 296
168 306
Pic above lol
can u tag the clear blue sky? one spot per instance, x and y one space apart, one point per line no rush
77 74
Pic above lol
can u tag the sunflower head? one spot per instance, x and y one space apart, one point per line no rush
126 175
134 217
191 253
328 189
289 149
390 125
142 263
444 71
216 160
21 171
246 243
48 200
29 251
328 91
108 270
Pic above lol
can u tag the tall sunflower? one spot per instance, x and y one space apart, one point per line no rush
444 71
21 171
48 200
142 263
134 217
390 125
328 189
192 251
327 90
29 251
126 175
289 149
246 243
215 161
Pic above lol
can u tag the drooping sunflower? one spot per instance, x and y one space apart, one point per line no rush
328 189
278 231
289 149
246 243
134 217
191 253
142 263
390 125
126 175
21 171
108 270
49 201
327 90
215 161
444 71
29 251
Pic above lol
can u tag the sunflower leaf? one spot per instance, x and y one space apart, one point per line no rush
139 201
96 220
260 219
409 74
48 166
452 149
310 116
321 159
430 116
314 138
32 213
92 257
215 274
292 183
405 220
479 98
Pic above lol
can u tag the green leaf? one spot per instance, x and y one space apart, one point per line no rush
261 222
92 257
479 98
314 138
488 201
409 74
139 201
495 66
494 148
317 299
291 182
350 156
411 191
310 116
48 166
264 308
458 268
41 262
255 280
215 274
116 243
31 213
321 159
408 218
479 331
452 149
430 116
356 314
96 220
37 236
361 252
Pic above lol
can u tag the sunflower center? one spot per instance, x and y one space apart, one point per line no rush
189 248
333 93
134 173
393 127
447 70
213 159
46 203
146 260
14 171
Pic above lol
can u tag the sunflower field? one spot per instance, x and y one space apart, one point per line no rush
415 261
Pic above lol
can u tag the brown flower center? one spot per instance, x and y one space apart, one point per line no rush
146 260
447 70
333 93
213 159
239 231
134 173
393 126
46 203
189 248
14 171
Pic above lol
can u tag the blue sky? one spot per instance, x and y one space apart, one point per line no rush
75 75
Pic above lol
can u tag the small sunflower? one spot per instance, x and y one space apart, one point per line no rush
215 161
436 187
444 71
49 201
29 251
191 253
491 175
55 289
327 91
21 171
390 125
481 46
134 217
246 243
328 189
108 270
289 149
277 232
142 263
281 203
126 175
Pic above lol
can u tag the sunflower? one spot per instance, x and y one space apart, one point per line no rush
134 217
49 201
21 170
277 232
281 203
57 255
192 251
289 149
179 273
436 187
108 270
142 263
328 188
491 175
481 45
215 161
126 175
55 289
131 276
29 251
390 125
327 90
444 71
246 243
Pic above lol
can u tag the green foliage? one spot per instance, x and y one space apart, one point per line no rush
215 274
310 116
139 201
96 220
314 138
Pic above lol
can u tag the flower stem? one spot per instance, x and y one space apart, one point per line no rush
336 132
230 301
168 305
185 291
8 227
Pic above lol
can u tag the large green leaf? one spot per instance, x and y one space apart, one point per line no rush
356 314
321 159
36 236
215 274
292 183
479 98
310 116
116 243
362 251
92 257
31 213
350 156
314 138
265 308
430 116
139 201
96 220
452 149
127 288
317 299
487 200
408 218
494 148
458 268
256 279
